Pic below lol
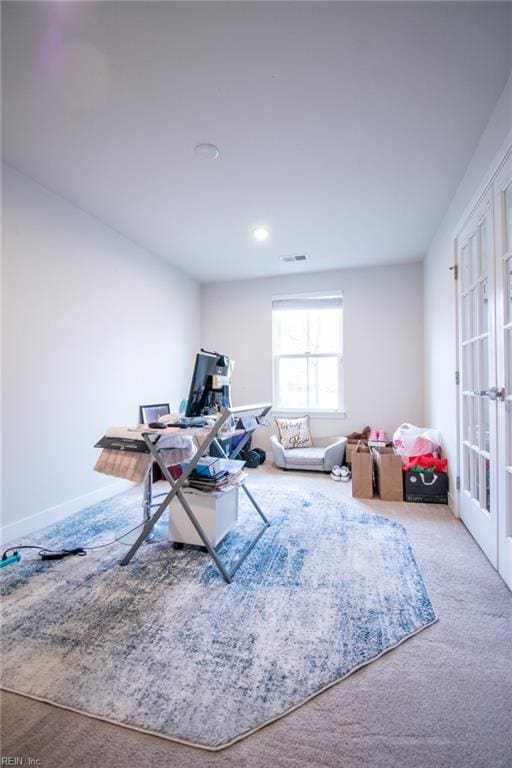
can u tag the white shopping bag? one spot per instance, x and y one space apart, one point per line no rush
409 440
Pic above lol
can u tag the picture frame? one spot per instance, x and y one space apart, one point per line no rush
152 412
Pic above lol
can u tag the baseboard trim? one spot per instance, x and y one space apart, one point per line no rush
29 525
452 503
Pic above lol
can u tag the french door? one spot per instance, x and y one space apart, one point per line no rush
478 500
503 234
485 351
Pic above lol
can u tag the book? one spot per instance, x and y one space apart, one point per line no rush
122 444
208 466
210 479
197 481
222 481
234 481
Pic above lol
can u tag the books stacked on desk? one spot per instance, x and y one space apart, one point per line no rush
212 474
212 483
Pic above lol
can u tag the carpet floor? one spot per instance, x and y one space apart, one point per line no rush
443 699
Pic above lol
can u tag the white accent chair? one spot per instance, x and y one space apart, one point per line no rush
325 453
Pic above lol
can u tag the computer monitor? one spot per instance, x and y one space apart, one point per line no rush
149 413
210 388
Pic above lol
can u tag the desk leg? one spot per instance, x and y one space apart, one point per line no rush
204 538
266 522
147 501
255 504
232 455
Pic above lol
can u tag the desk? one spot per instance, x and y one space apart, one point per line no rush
205 438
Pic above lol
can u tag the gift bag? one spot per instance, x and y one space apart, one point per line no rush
426 487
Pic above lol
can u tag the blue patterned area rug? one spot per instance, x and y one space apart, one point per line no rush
165 646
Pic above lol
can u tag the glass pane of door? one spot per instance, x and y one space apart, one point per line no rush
464 263
483 247
508 290
483 307
508 218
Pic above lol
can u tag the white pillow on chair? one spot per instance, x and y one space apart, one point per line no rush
294 433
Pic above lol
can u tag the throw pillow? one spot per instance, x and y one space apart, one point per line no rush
294 433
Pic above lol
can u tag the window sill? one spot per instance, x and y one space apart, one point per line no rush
289 413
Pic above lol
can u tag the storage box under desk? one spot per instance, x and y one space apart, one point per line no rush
216 512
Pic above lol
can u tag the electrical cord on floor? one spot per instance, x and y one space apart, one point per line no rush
59 554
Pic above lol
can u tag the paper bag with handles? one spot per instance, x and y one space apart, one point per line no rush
362 472
388 474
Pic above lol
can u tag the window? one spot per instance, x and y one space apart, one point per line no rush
307 352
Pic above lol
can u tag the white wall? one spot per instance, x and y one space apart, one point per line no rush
439 286
93 326
383 344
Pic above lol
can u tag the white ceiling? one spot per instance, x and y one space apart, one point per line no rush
344 127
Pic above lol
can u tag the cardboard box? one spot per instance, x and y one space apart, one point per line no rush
362 473
388 474
426 487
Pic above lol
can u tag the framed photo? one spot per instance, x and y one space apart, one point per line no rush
150 413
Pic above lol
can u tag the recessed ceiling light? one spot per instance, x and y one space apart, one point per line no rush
207 151
260 233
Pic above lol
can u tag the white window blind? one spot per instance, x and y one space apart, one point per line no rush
308 352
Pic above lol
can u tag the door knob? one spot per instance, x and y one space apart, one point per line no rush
494 393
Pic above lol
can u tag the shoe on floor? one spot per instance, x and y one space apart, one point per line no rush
336 473
345 474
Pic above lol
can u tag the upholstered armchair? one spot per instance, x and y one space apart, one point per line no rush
325 453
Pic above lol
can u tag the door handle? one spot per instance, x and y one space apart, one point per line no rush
494 393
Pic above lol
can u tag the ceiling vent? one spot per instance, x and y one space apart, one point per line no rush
295 257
